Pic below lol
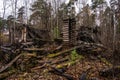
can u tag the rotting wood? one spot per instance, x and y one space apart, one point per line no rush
27 43
42 62
60 61
81 44
39 67
67 64
35 49
62 52
58 48
10 63
59 53
5 48
95 44
31 54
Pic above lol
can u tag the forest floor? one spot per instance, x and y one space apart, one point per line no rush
32 66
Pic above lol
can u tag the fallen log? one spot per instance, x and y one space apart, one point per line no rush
10 63
30 54
67 64
58 48
34 49
27 43
5 48
83 47
59 61
91 44
39 67
51 63
42 62
62 52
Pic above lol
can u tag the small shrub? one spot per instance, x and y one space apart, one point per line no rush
74 56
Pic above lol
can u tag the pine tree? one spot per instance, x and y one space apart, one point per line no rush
41 14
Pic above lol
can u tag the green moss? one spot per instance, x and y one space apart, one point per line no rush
53 55
69 63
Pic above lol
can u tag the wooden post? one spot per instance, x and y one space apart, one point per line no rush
24 34
11 35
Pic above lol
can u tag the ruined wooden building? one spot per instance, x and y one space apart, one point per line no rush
70 33
25 33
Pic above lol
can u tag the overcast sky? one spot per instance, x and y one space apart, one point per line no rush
8 10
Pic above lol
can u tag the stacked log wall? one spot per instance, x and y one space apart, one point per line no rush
69 31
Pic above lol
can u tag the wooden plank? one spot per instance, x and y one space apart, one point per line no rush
34 49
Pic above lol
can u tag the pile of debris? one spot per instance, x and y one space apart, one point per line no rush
51 60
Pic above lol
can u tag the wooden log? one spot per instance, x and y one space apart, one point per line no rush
67 64
34 49
27 43
5 48
10 63
91 44
42 62
62 52
30 54
57 48
82 46
39 67
59 61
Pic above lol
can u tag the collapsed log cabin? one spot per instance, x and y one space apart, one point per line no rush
25 33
